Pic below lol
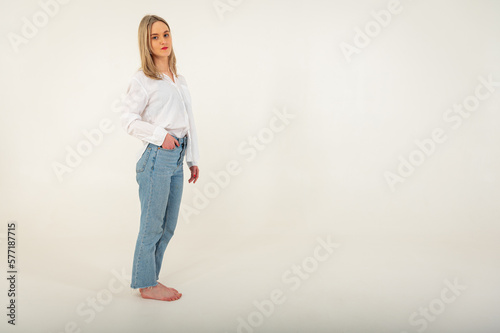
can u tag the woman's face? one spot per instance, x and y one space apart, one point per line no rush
161 41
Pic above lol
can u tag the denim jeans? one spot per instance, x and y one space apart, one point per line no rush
159 173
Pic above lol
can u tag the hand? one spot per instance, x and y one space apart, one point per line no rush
169 142
195 173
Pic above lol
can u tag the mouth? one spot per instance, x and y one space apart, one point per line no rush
164 48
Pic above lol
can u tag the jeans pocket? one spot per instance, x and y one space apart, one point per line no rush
175 147
141 164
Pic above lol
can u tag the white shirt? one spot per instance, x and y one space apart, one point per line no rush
153 108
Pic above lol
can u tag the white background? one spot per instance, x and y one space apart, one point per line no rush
321 176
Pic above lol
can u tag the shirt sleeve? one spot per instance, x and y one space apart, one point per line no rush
134 104
192 151
193 155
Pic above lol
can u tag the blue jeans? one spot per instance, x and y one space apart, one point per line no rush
159 173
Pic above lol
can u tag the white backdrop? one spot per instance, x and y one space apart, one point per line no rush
369 124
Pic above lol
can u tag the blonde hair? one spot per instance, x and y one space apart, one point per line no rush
147 63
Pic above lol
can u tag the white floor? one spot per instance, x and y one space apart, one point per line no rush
237 283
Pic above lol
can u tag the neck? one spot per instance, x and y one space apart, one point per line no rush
162 65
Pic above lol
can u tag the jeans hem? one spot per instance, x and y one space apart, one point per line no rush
144 287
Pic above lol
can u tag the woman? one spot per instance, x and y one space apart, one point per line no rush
157 110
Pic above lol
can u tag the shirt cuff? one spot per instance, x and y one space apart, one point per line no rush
190 164
159 136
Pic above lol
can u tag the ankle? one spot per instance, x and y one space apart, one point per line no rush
147 288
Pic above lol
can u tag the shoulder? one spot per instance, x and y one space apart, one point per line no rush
145 81
139 83
182 82
143 78
136 78
181 79
139 76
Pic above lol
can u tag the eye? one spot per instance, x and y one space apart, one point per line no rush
165 35
154 37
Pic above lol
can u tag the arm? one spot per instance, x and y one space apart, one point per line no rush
192 153
134 105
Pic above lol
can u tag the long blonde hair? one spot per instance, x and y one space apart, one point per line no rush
147 63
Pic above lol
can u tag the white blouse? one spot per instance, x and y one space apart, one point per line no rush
153 108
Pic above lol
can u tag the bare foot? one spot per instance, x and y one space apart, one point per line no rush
160 292
168 287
